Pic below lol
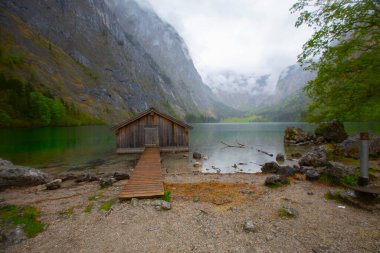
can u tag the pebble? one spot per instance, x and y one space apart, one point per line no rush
249 226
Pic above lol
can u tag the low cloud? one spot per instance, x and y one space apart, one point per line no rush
242 36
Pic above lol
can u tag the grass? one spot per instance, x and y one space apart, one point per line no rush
67 213
326 179
350 180
27 216
274 185
335 196
95 197
284 214
89 208
167 195
106 206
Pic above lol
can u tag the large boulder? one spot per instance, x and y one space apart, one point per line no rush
271 167
297 136
351 146
332 131
13 175
317 157
337 171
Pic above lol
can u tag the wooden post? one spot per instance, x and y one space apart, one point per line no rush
363 178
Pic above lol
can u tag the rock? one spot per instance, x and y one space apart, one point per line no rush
161 205
295 155
197 155
338 170
120 175
269 238
185 155
86 177
310 193
317 157
276 179
107 181
246 191
55 184
332 131
351 146
205 157
297 136
67 176
312 175
13 175
286 171
290 212
197 164
134 202
270 167
10 235
249 226
280 157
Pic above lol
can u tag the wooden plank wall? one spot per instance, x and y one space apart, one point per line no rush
170 133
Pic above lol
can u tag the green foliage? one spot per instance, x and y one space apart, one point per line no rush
333 195
284 214
290 109
243 119
21 105
106 206
67 213
167 195
350 180
326 179
95 197
27 216
201 118
345 52
89 208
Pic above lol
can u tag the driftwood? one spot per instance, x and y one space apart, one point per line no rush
264 152
233 146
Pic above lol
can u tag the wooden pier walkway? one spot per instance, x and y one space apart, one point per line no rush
146 180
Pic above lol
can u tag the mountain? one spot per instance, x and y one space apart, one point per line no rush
250 91
108 59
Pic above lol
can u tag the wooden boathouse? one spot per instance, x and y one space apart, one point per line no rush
152 128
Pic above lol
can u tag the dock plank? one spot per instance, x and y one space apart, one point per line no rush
146 180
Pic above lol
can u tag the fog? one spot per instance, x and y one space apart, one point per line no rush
244 37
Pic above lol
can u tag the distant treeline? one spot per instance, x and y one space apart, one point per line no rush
23 106
192 118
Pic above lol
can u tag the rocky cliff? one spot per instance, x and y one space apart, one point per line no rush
108 58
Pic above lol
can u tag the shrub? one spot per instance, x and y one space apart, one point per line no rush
167 195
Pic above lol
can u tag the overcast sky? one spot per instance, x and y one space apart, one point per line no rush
243 36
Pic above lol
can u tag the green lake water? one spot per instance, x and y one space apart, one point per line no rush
69 147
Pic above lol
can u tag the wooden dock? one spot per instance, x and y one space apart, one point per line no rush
146 180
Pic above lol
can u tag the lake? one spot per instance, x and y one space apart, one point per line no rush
64 148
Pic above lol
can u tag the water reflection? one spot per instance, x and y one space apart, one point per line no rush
206 138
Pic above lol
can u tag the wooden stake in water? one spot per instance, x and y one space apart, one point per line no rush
363 179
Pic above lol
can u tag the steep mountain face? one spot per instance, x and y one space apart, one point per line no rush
109 58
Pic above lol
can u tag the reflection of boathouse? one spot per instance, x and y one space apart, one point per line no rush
152 129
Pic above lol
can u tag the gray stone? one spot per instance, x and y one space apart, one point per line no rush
338 170
312 175
55 184
280 157
86 177
286 171
249 226
290 212
332 131
108 181
317 157
270 167
297 136
276 179
161 205
351 146
120 175
13 175
134 202
65 176
197 155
